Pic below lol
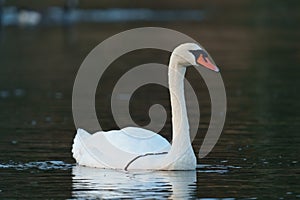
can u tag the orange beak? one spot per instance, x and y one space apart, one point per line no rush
205 62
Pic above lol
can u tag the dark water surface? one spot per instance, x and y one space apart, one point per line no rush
257 48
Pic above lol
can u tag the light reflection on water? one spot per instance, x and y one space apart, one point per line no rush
105 183
57 15
94 183
101 183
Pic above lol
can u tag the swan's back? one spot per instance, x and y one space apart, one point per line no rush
137 140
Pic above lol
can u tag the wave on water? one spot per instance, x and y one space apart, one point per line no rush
215 168
41 165
60 165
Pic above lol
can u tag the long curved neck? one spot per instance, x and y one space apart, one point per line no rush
180 125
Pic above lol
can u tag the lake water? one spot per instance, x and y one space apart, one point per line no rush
257 48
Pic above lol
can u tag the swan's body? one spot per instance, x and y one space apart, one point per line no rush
137 148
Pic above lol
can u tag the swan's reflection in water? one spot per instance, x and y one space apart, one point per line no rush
92 183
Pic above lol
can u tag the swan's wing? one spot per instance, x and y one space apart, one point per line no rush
114 149
94 150
137 140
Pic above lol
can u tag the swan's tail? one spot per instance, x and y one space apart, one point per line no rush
78 147
83 151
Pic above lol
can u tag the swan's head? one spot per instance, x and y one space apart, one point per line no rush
188 54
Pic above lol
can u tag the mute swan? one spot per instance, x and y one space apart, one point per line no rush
137 148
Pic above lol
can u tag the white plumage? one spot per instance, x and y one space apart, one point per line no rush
137 148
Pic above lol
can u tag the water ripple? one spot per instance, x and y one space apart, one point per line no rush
41 165
220 169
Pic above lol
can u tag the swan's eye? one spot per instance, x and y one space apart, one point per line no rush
198 53
201 58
